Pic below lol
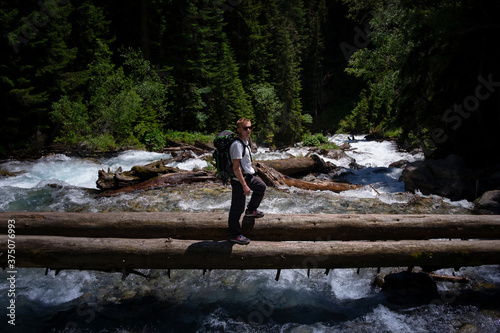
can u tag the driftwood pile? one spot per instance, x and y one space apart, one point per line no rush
275 173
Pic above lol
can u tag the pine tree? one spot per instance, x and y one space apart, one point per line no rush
126 105
250 36
37 55
288 19
209 93
313 58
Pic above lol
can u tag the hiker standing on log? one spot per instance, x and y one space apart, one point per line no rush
245 180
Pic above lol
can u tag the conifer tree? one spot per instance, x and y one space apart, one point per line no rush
313 58
209 93
288 18
35 54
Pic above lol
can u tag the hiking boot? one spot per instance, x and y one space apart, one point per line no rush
240 240
254 214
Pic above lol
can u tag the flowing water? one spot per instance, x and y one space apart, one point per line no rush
344 300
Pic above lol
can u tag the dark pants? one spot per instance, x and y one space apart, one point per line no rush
238 201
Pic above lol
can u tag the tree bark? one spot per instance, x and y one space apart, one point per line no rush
152 170
157 175
119 179
276 179
293 166
124 254
163 180
272 227
198 148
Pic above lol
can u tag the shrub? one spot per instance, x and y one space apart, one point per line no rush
314 141
189 138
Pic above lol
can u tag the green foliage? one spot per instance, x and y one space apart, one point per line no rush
380 67
314 58
310 141
393 133
44 54
307 118
80 77
268 109
329 146
155 140
32 58
314 140
419 68
73 118
126 106
189 137
288 36
103 142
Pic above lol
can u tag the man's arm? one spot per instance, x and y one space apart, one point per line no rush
237 172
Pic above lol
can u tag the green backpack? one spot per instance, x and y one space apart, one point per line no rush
222 158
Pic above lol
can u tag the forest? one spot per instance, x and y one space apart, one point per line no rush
104 74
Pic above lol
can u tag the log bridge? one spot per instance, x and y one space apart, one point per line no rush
127 241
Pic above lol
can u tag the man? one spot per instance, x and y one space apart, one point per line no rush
244 181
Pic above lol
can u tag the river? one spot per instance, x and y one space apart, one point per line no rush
344 300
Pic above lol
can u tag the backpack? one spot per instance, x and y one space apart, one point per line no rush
222 158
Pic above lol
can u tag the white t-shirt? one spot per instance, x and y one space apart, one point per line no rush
236 153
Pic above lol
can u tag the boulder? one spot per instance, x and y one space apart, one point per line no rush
488 203
401 164
446 177
345 146
410 287
339 154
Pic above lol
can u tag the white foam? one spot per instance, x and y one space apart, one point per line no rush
378 154
128 159
385 320
189 165
347 284
71 171
52 289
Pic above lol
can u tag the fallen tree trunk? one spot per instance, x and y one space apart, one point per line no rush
162 181
275 227
126 254
114 180
380 278
152 170
198 148
157 175
276 179
293 166
119 179
448 278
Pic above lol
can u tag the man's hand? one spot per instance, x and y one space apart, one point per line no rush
246 189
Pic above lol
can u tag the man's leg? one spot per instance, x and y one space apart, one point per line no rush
258 188
237 208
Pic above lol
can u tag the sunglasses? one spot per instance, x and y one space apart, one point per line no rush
246 128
